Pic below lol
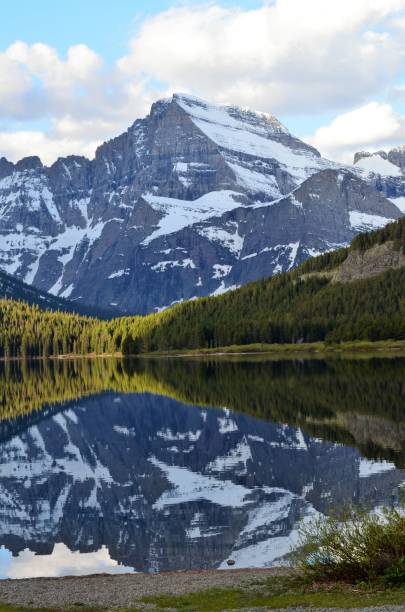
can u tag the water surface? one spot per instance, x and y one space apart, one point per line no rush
118 466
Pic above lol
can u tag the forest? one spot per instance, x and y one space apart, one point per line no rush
292 307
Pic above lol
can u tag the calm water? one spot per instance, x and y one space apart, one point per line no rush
112 466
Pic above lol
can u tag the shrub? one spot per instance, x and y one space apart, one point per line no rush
356 547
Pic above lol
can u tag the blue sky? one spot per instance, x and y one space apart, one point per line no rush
104 25
83 70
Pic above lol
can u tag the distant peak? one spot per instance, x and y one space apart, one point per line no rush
364 154
28 163
190 98
398 149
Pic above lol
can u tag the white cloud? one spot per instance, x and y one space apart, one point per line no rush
15 84
371 127
61 562
288 56
22 143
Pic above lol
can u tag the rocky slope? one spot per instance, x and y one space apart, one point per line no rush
372 262
192 200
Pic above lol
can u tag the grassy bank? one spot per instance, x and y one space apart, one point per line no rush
270 593
280 592
305 348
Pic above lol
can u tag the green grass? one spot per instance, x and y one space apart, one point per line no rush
278 593
357 346
274 592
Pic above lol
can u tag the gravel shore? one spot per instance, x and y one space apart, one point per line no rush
125 590
108 592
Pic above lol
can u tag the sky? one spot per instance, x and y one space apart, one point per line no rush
74 73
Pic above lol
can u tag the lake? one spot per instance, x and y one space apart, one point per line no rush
169 464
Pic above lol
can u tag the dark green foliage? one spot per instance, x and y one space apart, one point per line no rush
131 346
357 547
324 263
395 575
394 232
283 309
28 331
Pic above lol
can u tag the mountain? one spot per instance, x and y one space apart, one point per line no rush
389 163
385 172
14 289
192 200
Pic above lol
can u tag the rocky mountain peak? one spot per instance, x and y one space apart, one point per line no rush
365 154
379 162
29 163
6 167
193 199
397 156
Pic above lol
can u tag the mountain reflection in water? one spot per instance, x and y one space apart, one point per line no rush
154 465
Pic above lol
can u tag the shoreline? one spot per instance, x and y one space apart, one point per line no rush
303 350
211 590
125 591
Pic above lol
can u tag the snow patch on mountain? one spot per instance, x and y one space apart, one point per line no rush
377 165
363 222
228 236
178 214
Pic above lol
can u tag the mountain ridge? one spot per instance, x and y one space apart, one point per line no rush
192 200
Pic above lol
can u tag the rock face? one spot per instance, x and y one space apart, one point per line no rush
165 486
192 200
374 261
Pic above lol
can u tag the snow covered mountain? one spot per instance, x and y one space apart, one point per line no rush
192 200
385 171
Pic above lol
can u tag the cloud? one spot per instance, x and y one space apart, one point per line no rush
287 56
15 84
371 127
22 143
61 562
